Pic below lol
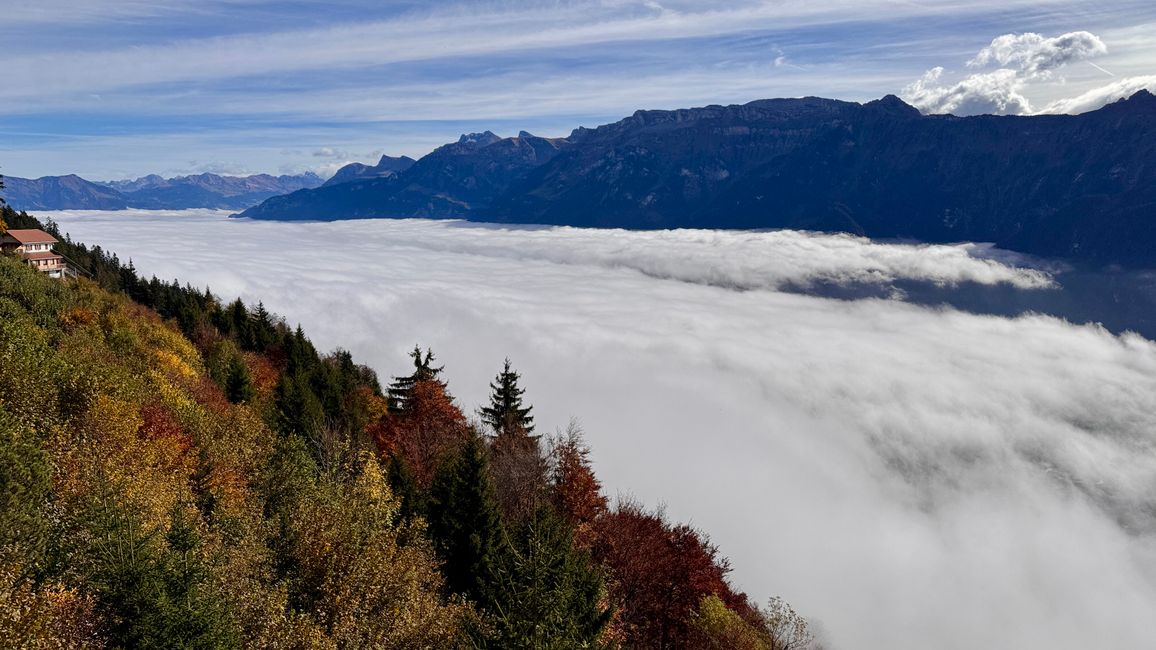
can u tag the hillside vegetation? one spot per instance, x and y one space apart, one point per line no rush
176 472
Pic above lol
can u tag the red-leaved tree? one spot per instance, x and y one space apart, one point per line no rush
424 431
659 576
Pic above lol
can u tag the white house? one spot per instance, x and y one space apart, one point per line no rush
35 246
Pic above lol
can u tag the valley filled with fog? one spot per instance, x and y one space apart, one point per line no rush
871 430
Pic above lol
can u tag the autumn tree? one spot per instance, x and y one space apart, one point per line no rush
661 573
506 414
574 489
425 431
714 626
786 628
366 578
24 496
520 475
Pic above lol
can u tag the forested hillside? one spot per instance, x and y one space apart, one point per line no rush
177 472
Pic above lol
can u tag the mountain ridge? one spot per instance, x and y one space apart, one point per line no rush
1080 187
206 190
386 166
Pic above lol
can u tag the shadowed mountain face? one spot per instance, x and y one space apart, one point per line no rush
152 192
1070 186
1080 187
456 180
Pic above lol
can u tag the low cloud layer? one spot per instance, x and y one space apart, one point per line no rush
911 477
728 259
1021 62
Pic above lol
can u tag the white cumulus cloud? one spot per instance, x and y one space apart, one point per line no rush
998 92
1024 61
1035 54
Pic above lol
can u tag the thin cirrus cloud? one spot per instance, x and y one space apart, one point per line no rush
383 73
910 477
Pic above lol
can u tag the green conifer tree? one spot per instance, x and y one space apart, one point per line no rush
238 384
405 487
155 595
264 332
464 523
506 415
241 325
548 594
298 411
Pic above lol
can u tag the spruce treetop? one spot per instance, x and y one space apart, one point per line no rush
423 370
506 414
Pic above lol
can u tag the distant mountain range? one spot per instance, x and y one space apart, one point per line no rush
152 192
60 192
1081 187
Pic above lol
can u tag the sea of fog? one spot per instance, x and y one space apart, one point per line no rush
907 473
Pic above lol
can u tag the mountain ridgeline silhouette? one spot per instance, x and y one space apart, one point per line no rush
152 192
1081 187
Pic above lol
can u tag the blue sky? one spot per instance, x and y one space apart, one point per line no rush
119 88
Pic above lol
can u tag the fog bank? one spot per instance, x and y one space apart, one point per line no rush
912 477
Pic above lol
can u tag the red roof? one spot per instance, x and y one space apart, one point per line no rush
42 256
32 236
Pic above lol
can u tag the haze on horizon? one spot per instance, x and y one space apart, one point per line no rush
113 89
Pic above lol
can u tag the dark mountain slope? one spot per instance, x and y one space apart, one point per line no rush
387 166
1081 187
1076 186
452 181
